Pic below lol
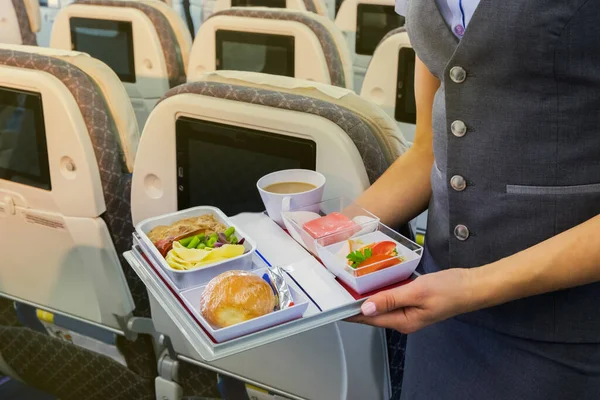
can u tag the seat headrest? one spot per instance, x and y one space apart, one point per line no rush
111 93
337 60
29 20
175 40
374 133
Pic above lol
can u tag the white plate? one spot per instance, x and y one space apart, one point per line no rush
192 297
376 280
195 277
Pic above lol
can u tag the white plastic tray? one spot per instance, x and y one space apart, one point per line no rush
195 277
191 298
328 300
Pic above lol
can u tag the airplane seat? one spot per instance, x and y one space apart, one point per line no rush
145 42
389 81
314 6
85 135
201 130
274 41
66 192
364 23
21 20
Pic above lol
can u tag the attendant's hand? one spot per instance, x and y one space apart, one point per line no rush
428 299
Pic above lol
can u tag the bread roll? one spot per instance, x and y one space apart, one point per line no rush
234 297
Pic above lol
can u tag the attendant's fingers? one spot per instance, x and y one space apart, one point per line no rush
389 300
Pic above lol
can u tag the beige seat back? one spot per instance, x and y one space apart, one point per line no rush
364 23
389 81
207 143
315 6
276 41
145 42
19 21
67 144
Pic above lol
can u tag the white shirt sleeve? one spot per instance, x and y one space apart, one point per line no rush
401 7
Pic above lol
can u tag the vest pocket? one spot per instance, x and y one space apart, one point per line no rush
553 190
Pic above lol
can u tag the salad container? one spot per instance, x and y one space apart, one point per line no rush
194 277
332 220
376 275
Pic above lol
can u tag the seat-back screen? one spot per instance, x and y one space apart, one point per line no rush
23 146
109 41
259 3
255 52
219 165
373 22
406 108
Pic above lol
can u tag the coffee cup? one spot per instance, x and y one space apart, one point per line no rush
292 188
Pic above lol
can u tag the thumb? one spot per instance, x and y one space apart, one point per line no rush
389 300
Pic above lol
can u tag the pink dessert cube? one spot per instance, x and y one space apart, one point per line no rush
332 224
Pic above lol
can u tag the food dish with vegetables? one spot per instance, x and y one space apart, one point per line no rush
196 242
364 259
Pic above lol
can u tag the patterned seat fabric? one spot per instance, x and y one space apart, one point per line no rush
326 39
310 6
168 39
66 370
25 25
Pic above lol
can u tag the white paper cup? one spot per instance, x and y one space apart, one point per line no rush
276 203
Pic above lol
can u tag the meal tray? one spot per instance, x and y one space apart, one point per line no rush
329 300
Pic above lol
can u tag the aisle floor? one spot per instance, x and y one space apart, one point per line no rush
15 390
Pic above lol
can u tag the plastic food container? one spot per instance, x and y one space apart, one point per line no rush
362 280
333 220
192 298
199 276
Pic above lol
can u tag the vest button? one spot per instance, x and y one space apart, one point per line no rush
458 74
459 129
461 232
458 183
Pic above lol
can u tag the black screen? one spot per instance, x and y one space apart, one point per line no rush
259 3
218 165
23 148
373 22
255 52
406 108
109 41
338 4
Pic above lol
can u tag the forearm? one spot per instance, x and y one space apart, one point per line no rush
566 260
403 191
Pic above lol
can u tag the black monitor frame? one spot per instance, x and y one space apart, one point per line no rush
103 24
367 49
261 142
404 89
338 5
259 3
42 181
263 39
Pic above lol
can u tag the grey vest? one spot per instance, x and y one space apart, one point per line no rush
517 146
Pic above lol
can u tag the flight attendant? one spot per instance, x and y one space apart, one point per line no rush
507 156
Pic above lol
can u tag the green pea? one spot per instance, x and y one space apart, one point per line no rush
233 240
230 231
195 241
186 241
214 236
201 246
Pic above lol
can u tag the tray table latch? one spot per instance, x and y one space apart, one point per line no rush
132 326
